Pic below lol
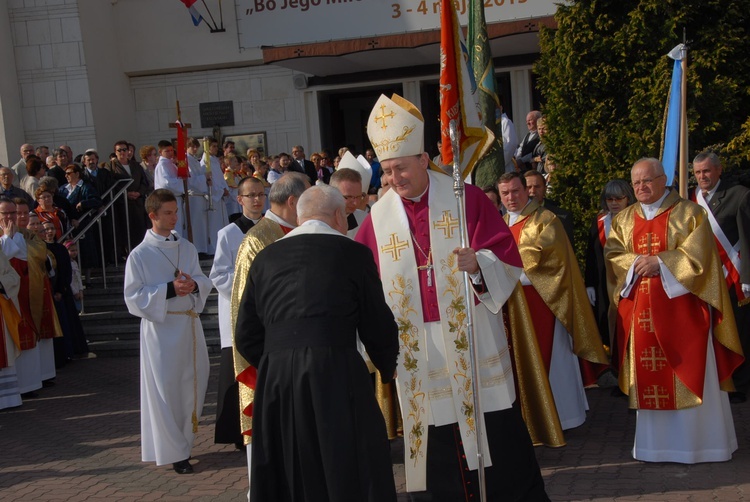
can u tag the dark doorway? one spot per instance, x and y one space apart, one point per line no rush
344 114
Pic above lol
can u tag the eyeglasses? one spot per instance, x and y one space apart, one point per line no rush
253 195
352 197
646 181
121 150
615 199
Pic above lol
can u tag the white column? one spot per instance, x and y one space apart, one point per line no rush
11 119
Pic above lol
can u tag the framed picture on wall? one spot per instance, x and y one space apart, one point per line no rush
242 142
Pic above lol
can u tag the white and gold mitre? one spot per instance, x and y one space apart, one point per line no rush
395 128
359 164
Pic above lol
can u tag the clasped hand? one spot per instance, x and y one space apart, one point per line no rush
647 266
183 284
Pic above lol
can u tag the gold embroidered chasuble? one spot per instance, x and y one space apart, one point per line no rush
40 291
439 388
536 399
264 233
550 264
691 257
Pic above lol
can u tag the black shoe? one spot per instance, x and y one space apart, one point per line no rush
48 383
737 397
182 467
29 395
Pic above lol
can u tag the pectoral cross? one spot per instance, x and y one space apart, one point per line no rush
428 268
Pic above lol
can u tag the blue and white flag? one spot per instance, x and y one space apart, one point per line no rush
672 146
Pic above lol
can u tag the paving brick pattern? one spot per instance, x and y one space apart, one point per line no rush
80 441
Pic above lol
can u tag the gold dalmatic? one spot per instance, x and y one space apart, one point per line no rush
264 233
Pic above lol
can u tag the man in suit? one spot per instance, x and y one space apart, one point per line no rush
302 165
525 151
317 429
19 168
537 188
8 190
61 162
121 168
728 208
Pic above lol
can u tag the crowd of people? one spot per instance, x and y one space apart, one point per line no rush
329 348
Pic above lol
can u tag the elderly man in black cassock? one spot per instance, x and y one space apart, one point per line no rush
318 433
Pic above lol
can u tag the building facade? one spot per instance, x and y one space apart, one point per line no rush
283 72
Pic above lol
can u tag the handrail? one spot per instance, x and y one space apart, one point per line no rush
95 218
99 212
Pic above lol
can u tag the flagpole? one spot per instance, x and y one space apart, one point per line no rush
683 125
458 190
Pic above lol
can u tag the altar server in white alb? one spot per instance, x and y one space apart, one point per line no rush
10 395
165 286
252 198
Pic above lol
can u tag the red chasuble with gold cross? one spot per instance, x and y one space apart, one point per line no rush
667 349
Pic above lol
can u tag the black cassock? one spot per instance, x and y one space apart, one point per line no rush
318 433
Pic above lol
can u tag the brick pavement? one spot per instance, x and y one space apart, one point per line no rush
80 441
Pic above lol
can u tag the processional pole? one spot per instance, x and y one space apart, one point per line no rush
458 190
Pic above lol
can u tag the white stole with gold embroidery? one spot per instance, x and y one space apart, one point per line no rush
422 388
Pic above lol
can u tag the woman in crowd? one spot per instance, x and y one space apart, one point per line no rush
539 155
616 196
49 212
70 323
36 169
83 199
150 157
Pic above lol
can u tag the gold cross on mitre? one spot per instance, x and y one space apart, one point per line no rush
384 116
394 247
447 224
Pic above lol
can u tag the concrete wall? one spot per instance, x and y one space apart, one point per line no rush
161 37
11 119
51 73
264 100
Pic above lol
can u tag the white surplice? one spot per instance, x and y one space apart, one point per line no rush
198 192
172 343
222 276
28 368
10 394
218 216
165 176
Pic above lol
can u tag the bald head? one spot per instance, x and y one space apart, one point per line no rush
323 203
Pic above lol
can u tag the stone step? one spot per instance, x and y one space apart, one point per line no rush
113 332
131 348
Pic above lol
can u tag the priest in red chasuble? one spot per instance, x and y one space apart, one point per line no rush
676 335
413 234
554 289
